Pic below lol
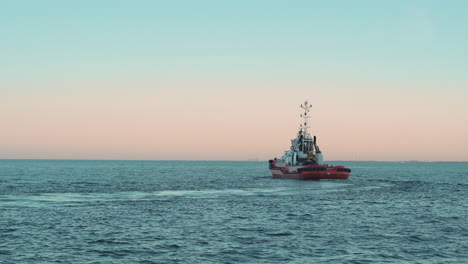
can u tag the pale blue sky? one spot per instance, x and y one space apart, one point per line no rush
365 39
355 60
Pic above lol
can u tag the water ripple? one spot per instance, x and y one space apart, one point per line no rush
229 212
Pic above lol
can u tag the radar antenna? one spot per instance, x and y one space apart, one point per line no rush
306 117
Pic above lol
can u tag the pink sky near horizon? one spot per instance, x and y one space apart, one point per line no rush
206 123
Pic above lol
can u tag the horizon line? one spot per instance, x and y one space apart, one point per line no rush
85 159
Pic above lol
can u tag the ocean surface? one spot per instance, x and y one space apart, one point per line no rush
80 211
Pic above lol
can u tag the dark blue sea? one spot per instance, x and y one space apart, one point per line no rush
80 211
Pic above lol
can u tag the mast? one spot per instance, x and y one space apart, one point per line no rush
305 126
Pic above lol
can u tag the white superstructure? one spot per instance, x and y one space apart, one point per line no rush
304 149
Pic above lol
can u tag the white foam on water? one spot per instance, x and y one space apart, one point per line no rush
60 199
215 192
46 199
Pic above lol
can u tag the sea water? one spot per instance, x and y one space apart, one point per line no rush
70 211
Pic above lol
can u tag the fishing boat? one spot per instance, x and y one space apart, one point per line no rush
304 159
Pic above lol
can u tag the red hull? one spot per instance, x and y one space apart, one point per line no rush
314 172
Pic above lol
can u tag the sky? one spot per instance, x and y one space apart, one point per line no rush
223 80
